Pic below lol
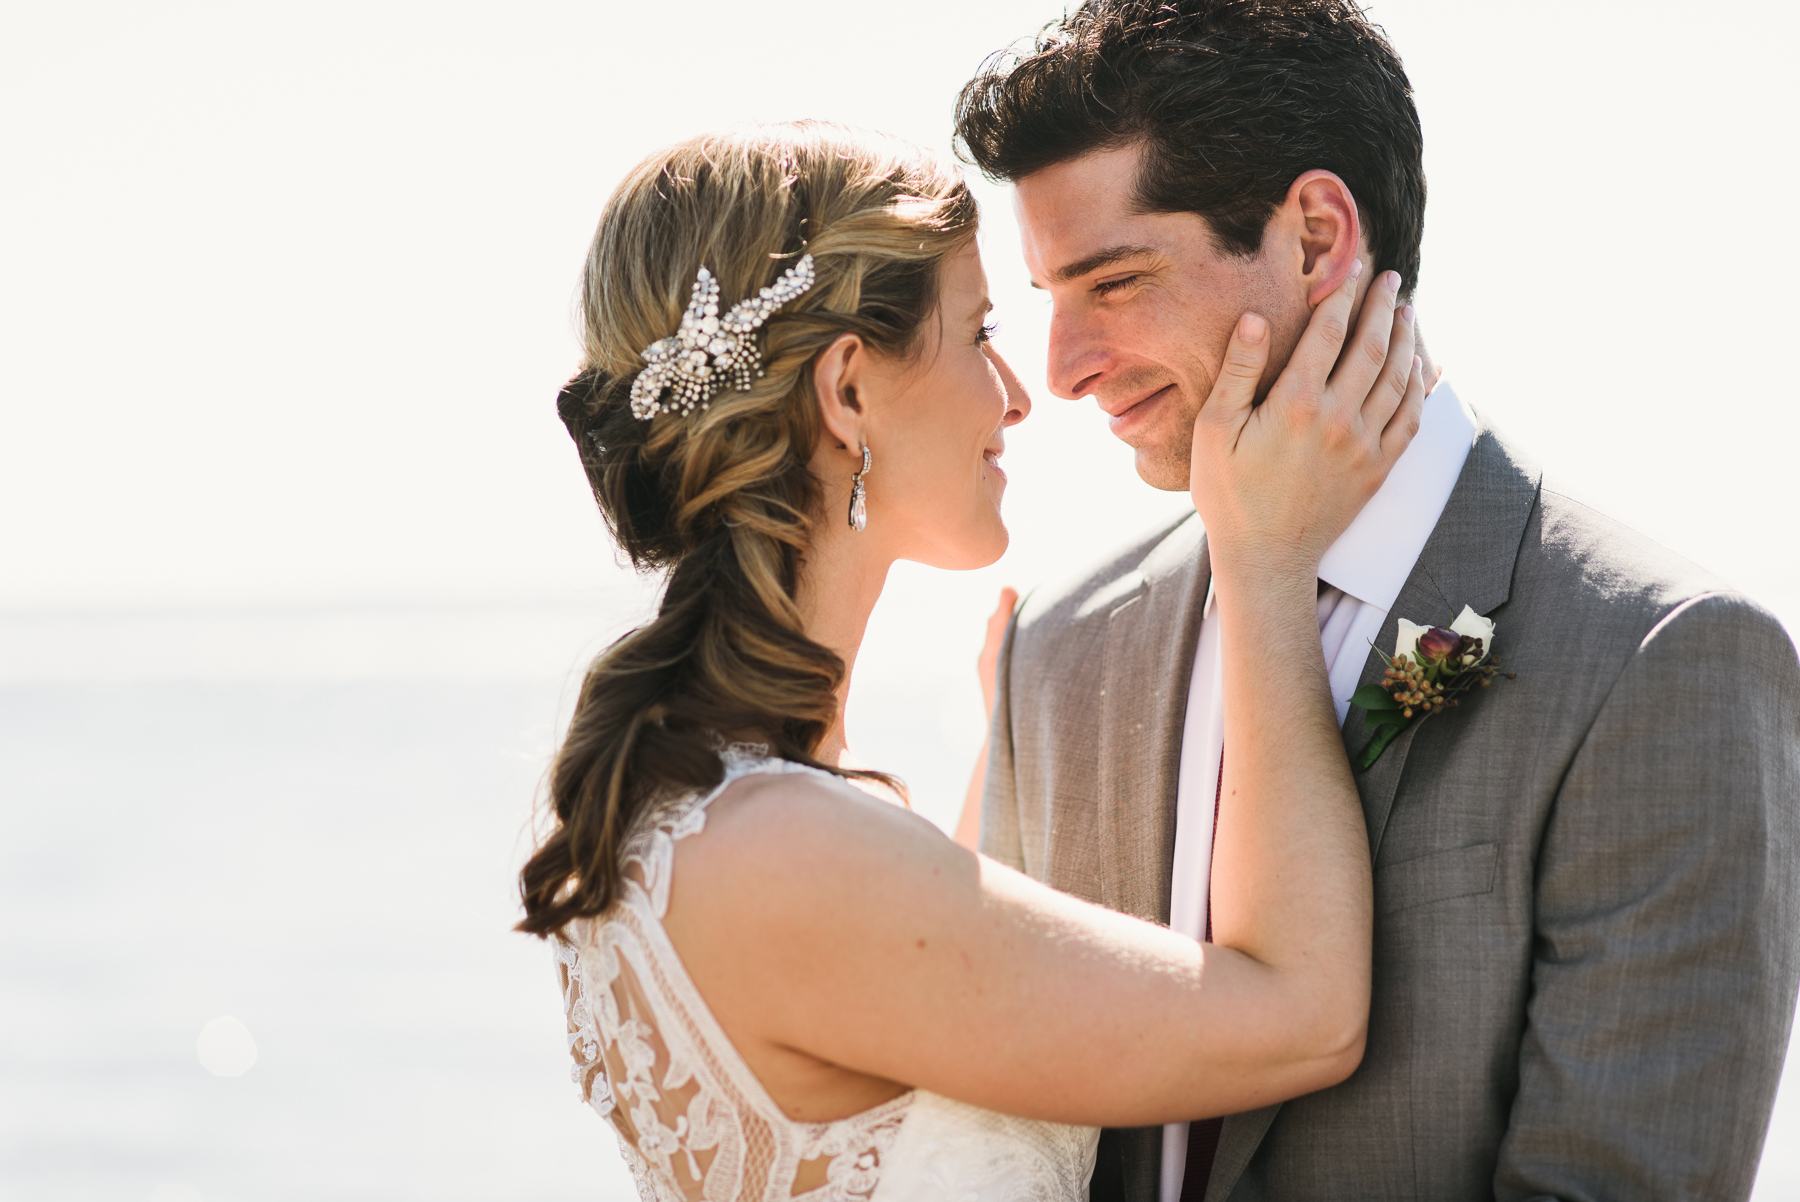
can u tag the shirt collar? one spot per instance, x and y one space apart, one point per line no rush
1372 559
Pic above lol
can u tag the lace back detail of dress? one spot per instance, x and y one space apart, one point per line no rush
694 1123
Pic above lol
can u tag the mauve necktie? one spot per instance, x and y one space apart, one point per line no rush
1203 1134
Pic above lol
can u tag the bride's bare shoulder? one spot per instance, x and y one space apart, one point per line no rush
806 821
794 882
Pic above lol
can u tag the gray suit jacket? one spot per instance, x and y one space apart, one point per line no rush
1585 878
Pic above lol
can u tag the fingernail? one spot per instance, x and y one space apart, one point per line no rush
1392 280
1251 329
1406 315
1356 269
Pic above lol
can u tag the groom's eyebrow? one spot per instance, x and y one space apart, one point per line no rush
1097 260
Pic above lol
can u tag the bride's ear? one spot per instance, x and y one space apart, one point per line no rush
1320 216
838 376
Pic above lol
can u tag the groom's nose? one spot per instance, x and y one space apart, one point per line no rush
1077 357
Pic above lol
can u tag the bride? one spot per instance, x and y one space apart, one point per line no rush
780 983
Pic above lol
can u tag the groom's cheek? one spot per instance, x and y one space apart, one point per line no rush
1286 336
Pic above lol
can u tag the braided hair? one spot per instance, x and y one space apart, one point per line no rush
722 500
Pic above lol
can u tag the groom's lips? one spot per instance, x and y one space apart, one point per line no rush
1126 417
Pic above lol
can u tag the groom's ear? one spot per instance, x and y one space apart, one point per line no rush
1320 217
837 374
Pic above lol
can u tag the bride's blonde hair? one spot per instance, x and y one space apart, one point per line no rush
722 499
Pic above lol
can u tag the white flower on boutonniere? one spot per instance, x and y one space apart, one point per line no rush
1432 666
1468 623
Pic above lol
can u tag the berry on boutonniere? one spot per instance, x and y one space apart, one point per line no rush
1432 666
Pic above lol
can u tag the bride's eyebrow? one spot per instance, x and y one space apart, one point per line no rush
1097 260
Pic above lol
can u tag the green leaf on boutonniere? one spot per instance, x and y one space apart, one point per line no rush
1373 697
1383 718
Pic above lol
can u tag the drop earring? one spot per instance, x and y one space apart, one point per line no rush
859 497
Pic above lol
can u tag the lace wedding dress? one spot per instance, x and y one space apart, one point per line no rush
693 1121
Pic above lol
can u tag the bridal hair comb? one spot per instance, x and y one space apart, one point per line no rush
709 353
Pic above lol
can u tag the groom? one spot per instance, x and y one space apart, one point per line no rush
1585 876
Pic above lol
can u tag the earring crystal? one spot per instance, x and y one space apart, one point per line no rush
859 497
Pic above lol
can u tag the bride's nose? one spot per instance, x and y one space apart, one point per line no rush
1018 401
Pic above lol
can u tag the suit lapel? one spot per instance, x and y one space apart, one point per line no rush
1468 560
1238 1141
1153 623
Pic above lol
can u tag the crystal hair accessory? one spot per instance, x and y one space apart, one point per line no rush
709 353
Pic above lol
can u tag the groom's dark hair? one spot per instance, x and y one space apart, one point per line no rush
1234 99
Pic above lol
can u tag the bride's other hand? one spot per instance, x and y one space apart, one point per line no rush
989 661
1275 484
987 666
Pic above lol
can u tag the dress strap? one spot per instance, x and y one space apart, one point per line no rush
651 849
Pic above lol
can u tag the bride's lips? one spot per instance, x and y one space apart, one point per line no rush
1126 416
991 457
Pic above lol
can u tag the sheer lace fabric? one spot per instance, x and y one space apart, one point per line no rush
694 1123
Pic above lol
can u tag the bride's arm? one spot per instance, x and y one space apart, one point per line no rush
1291 885
818 921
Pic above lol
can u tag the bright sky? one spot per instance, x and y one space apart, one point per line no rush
285 290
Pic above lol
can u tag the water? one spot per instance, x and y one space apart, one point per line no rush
331 865
309 821
330 862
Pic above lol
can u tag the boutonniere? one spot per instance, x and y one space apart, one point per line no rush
1430 670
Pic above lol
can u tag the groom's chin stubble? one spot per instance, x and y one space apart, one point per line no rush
1166 467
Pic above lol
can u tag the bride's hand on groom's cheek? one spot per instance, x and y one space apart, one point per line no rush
1284 478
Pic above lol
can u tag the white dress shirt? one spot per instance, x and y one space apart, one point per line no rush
1359 577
